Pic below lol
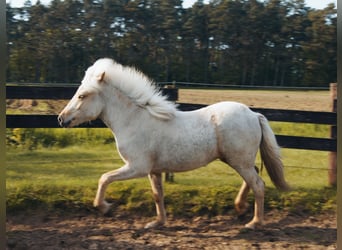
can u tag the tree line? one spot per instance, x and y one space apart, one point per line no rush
243 42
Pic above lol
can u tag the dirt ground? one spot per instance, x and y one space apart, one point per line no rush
89 230
294 100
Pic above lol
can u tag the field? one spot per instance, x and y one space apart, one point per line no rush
295 100
50 190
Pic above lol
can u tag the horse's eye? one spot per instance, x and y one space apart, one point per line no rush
81 97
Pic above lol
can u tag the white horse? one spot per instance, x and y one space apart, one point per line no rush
153 137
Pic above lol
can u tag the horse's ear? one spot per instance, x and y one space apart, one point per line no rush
101 76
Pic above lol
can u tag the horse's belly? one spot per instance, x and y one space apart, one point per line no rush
181 167
179 159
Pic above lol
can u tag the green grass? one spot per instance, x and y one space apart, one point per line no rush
58 169
35 138
301 129
66 178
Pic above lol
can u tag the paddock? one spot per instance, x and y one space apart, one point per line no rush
200 231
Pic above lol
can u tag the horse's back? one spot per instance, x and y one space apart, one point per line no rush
229 108
232 115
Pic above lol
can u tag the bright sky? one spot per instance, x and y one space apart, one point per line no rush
317 4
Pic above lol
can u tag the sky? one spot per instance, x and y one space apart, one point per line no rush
317 4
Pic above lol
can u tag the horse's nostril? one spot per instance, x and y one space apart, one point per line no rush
60 120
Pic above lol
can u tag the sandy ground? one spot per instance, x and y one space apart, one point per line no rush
294 100
89 230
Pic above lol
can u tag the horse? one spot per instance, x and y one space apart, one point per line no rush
153 136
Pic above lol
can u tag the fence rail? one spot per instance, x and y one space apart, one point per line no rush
56 91
66 92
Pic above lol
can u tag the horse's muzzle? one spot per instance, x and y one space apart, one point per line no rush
62 122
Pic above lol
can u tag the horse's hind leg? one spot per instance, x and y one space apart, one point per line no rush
254 181
157 189
240 203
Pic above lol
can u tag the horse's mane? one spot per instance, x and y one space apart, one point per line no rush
138 87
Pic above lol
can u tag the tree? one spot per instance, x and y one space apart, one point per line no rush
272 42
320 50
197 26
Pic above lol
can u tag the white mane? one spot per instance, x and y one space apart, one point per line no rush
137 87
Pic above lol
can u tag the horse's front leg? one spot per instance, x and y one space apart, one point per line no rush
158 195
123 173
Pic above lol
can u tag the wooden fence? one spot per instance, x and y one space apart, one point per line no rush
57 92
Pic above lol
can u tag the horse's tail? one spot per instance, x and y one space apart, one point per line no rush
270 155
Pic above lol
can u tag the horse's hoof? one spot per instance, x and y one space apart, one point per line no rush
104 207
250 226
154 224
253 225
241 208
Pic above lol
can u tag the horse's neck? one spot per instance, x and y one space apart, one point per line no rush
120 113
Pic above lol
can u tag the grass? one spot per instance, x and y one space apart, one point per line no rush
301 129
66 178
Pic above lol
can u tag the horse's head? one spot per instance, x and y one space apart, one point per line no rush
87 103
98 84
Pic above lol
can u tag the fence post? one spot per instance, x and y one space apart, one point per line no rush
172 96
169 177
333 134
